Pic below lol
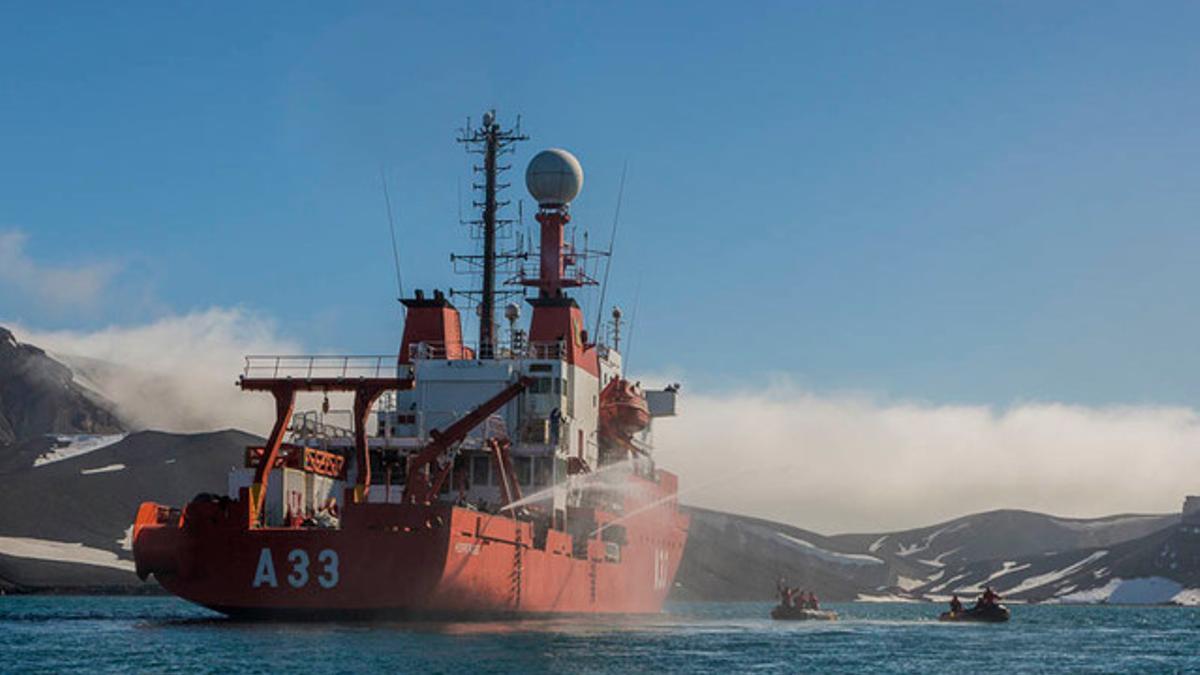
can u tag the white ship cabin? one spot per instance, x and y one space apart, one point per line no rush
552 426
556 428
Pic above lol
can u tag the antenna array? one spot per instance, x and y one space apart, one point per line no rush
492 142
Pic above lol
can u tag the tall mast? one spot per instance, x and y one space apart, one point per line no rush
487 303
491 141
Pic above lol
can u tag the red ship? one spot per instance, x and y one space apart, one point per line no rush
515 476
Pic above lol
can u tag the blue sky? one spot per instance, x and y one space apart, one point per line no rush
955 202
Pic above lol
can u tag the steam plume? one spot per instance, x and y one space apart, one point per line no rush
174 374
826 462
846 463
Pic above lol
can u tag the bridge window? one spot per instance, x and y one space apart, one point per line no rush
479 470
523 467
543 470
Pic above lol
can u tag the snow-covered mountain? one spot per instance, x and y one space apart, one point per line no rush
64 523
72 477
1163 566
731 557
995 534
1030 556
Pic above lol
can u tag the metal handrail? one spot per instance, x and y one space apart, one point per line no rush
307 424
436 350
319 366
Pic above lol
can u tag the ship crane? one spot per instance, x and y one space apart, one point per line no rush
421 488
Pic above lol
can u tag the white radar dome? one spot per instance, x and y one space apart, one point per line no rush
554 177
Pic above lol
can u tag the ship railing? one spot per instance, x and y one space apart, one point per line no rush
431 349
573 274
319 366
546 351
309 425
439 351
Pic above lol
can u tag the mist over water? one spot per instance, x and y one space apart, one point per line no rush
607 479
828 462
864 465
174 374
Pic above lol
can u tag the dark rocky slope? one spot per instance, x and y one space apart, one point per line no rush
88 500
732 557
40 396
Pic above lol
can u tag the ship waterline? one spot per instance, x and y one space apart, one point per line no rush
398 559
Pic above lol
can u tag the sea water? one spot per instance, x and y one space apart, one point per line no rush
160 634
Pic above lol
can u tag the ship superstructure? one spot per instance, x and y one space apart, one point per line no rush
510 475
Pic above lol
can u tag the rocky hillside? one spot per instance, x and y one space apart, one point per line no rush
1163 566
40 396
65 522
996 534
731 557
73 478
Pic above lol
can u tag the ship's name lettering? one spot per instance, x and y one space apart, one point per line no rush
662 568
298 575
467 548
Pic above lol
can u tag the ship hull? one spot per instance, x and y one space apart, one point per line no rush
393 560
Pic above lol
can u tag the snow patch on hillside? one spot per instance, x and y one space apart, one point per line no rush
909 549
108 468
942 586
126 540
1188 596
61 551
1101 523
1008 568
1140 591
863 597
938 561
827 555
1050 577
68 446
1145 591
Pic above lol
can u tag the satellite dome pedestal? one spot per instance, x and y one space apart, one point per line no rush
554 178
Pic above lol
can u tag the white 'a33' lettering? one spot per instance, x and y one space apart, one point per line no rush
298 577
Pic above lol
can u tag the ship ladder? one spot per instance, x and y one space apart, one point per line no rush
516 573
592 578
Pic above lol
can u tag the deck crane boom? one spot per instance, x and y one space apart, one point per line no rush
422 484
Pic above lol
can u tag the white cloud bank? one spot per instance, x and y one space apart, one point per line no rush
845 463
828 462
61 286
177 373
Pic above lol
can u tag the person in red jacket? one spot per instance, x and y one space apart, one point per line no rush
988 599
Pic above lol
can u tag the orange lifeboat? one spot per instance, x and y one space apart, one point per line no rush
623 413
